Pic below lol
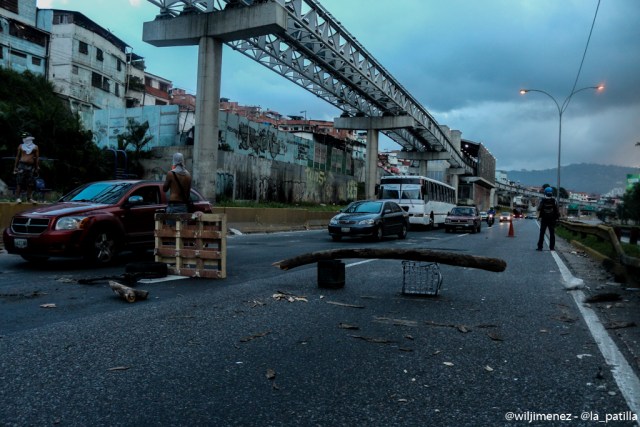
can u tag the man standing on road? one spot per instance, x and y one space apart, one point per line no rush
178 182
548 214
26 167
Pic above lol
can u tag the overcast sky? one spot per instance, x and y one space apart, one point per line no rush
465 61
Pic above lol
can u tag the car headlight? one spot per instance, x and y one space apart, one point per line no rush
71 223
333 221
367 222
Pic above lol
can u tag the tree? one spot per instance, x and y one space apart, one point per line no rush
28 103
631 203
135 136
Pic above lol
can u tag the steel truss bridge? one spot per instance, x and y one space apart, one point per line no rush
318 54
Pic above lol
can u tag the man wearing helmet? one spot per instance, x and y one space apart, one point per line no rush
26 166
548 214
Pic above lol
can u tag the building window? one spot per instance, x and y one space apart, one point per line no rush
74 69
99 55
118 64
100 82
83 48
26 32
10 5
1 52
61 18
116 89
36 61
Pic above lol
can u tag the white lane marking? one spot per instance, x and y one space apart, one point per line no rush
359 262
625 377
163 279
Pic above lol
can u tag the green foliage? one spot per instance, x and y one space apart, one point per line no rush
68 155
601 246
136 137
631 203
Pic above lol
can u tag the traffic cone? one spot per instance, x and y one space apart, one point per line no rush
511 229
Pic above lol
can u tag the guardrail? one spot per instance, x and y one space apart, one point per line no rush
630 264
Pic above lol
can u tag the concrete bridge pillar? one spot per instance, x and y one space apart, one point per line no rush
373 125
372 163
205 153
209 31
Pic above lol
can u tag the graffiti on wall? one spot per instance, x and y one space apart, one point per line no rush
263 141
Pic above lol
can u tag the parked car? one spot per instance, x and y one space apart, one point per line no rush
375 218
505 216
463 217
94 221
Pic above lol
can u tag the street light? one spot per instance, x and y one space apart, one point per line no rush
561 110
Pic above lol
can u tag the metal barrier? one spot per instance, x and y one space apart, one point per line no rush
604 233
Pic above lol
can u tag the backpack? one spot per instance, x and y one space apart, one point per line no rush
548 209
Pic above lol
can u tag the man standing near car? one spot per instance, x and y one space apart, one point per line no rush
178 182
26 167
548 214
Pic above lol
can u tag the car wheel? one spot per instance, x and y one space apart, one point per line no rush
34 258
379 233
336 238
403 232
102 248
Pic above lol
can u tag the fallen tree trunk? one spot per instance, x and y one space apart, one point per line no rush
460 260
127 293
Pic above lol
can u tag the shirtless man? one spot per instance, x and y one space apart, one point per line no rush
177 182
26 166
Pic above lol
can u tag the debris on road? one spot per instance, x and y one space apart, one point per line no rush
127 293
341 304
254 336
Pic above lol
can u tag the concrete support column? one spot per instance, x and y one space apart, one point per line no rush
205 152
372 163
454 183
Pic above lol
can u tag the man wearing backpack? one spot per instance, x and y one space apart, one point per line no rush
548 214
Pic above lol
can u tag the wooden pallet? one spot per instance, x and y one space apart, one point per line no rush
192 245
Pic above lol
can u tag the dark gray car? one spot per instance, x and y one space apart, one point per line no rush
374 218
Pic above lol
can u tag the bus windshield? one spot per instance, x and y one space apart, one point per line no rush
395 193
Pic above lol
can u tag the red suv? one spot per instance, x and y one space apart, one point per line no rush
95 221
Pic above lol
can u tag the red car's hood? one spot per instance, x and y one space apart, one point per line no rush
63 208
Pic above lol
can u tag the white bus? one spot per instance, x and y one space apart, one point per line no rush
427 200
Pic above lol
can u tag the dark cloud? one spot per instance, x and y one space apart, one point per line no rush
465 61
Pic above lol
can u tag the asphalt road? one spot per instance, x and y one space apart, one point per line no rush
203 352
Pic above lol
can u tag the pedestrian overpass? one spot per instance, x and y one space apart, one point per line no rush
301 41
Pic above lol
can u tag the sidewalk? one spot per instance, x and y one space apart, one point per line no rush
619 308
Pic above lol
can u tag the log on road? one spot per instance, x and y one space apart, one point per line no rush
127 293
460 260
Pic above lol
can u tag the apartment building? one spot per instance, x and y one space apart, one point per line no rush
87 63
23 44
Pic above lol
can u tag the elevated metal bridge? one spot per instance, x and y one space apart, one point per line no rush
318 54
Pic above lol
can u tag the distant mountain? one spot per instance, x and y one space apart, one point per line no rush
584 177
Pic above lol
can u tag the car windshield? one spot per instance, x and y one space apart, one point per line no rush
505 214
99 192
364 207
462 211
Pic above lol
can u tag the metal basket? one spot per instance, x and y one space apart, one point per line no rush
421 278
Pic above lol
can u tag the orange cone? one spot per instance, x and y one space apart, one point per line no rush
511 229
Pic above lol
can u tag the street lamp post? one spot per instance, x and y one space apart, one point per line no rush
561 110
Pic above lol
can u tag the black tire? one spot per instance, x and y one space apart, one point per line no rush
379 233
403 232
336 238
158 269
102 247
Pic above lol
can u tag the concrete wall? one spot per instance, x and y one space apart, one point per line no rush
246 177
246 220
